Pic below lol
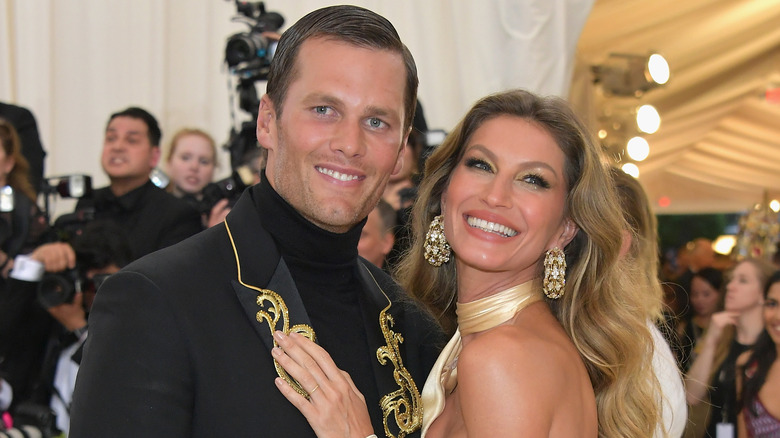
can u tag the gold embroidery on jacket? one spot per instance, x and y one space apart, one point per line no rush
403 404
277 316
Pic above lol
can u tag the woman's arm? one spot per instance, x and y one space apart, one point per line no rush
697 379
741 427
335 408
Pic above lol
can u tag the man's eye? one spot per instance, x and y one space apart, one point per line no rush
375 123
321 109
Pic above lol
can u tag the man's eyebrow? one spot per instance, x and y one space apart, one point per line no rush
114 130
320 98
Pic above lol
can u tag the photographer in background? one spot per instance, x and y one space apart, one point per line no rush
150 218
23 324
191 161
101 250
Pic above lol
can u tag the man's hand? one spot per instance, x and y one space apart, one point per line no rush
70 315
55 257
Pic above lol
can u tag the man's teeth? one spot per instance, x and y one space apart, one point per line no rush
491 227
337 175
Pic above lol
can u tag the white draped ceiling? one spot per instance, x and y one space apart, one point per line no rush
718 149
74 62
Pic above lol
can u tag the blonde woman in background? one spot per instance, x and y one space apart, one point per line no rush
731 332
191 161
640 245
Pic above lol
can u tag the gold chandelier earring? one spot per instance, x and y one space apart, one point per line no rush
554 273
437 250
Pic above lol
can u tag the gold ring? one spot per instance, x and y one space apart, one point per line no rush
316 387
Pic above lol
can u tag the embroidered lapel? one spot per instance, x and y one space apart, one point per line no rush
270 303
401 403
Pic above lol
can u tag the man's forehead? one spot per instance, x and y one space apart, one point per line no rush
129 124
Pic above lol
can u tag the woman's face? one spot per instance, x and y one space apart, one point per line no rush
6 166
772 312
191 165
504 204
704 297
744 291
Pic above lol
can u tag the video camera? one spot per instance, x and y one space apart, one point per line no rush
248 56
59 288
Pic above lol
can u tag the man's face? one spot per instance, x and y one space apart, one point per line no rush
128 156
339 139
375 242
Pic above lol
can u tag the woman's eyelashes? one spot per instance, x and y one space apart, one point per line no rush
532 178
536 180
480 164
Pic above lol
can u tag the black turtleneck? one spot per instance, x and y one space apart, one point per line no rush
324 267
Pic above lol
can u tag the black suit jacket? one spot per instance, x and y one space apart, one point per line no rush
175 348
32 149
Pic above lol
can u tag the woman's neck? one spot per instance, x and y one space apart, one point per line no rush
749 326
474 284
702 321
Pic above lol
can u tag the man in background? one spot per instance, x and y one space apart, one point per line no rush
378 235
150 217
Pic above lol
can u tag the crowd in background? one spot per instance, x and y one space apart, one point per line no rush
721 320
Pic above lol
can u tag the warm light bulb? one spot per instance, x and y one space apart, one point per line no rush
638 149
631 169
723 244
658 68
647 119
774 205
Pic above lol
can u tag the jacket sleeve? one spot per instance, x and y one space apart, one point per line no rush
135 379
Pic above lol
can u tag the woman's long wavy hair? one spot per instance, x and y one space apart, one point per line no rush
760 361
644 238
604 315
18 177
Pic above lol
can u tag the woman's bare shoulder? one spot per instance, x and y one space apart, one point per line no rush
521 378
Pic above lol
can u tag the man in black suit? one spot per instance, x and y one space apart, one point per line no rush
180 341
27 129
150 217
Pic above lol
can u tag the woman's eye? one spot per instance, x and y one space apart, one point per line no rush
478 164
536 180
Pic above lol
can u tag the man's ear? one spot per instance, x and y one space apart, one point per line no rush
568 232
155 158
266 123
388 240
399 163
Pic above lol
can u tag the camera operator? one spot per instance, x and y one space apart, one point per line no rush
101 250
150 218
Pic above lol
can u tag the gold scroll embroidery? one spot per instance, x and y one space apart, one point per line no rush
278 318
403 404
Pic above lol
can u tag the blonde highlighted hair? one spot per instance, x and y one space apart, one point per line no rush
18 177
604 315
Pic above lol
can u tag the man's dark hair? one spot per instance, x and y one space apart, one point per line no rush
350 24
153 128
